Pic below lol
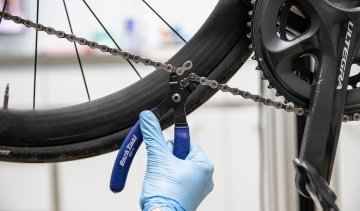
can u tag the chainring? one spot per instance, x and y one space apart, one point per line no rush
294 83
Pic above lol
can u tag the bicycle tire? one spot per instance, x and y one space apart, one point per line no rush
217 51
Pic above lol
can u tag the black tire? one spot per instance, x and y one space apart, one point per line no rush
217 51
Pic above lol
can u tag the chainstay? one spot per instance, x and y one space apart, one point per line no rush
165 67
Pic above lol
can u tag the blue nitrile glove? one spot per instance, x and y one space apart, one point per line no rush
171 183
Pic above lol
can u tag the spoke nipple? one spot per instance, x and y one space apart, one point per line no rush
346 118
253 57
6 97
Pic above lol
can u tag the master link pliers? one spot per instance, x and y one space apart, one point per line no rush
175 100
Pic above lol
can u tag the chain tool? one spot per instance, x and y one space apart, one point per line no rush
175 101
166 67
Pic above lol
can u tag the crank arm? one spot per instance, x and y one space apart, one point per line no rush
316 186
324 120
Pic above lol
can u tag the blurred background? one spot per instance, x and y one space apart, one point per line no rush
252 148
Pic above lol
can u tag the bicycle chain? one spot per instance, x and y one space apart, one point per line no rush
94 45
162 66
246 95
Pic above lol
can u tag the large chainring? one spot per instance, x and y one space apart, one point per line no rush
292 20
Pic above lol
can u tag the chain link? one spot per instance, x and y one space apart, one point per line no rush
166 67
246 95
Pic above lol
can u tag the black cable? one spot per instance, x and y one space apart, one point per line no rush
77 52
36 52
107 32
177 33
3 10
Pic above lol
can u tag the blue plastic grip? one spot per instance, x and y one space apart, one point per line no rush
125 157
181 142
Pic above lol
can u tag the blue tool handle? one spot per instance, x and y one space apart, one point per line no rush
125 157
181 142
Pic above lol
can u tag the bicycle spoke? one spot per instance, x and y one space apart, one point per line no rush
36 52
77 51
177 33
3 10
107 32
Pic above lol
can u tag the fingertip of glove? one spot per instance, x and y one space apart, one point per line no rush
149 125
147 117
146 114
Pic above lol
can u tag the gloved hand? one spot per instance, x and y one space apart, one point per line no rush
171 183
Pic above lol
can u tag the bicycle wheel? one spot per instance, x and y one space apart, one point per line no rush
217 51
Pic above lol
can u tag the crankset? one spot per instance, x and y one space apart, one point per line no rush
290 46
306 50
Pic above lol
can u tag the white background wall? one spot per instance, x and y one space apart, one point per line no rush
225 126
